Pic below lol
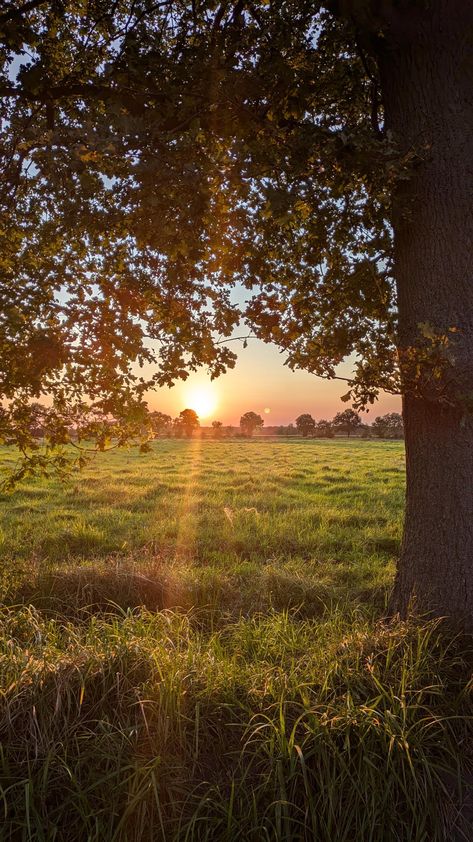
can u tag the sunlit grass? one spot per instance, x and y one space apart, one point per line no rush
316 509
192 648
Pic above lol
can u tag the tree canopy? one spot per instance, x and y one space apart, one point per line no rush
305 423
187 422
156 154
249 422
161 424
217 429
347 421
388 426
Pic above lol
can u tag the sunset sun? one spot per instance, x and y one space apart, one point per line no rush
203 399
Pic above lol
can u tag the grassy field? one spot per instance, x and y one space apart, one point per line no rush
192 648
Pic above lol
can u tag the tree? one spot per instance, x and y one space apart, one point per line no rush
289 430
347 421
217 429
161 424
324 429
305 424
388 426
187 423
249 422
318 156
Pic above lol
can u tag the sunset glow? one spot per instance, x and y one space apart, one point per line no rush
203 399
261 382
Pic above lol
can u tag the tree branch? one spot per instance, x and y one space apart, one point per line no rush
17 12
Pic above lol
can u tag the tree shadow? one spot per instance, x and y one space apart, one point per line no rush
75 593
212 595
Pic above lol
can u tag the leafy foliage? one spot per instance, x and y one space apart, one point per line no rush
389 426
249 422
161 423
305 424
187 423
324 429
156 154
153 156
217 429
347 421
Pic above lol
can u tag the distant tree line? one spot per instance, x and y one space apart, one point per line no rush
347 423
389 426
159 425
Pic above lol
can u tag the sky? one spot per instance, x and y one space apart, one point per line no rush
261 383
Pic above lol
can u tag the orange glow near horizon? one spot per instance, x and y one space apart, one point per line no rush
261 383
203 399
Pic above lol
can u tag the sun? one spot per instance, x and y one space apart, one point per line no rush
203 399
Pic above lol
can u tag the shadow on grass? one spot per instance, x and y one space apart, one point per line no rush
214 596
145 724
95 589
81 541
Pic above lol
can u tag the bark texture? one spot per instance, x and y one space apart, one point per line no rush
426 64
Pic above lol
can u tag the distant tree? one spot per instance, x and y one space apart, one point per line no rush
305 424
249 422
283 430
177 429
217 429
378 427
187 423
324 429
347 421
161 424
388 426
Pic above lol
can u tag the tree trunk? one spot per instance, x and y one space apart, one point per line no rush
425 62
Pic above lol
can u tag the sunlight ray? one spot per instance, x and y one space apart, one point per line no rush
187 527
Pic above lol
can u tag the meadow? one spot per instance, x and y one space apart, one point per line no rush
194 646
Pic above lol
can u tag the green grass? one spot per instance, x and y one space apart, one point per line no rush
192 648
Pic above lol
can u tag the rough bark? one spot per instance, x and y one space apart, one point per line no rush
425 59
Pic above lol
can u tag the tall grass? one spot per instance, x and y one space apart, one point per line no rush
148 726
171 673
